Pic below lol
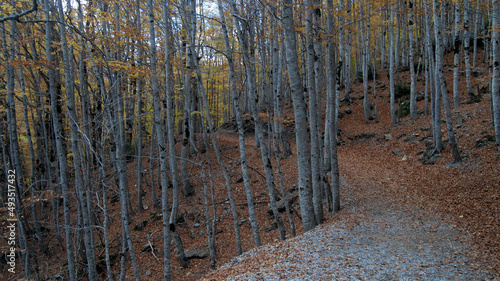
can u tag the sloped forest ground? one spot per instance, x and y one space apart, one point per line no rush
403 215
399 218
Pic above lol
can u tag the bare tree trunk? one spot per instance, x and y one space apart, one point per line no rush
348 39
259 134
61 155
311 89
468 74
365 37
218 154
15 154
391 67
333 92
77 163
495 88
456 56
244 169
171 142
442 82
413 91
189 93
436 96
476 23
302 136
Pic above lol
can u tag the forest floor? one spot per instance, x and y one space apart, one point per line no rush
397 213
399 218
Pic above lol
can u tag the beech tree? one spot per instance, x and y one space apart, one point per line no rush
441 80
495 88
302 136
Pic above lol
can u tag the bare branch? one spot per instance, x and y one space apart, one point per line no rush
17 16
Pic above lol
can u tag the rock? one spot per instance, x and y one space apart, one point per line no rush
388 137
405 158
410 139
199 253
430 160
272 227
196 224
459 121
348 110
140 226
148 272
397 151
480 143
490 138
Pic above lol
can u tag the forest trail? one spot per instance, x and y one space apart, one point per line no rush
399 219
374 237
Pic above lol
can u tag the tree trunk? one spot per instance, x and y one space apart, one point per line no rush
442 82
468 70
218 154
413 92
171 142
476 23
313 120
456 56
189 94
61 155
333 92
77 161
244 169
300 112
391 67
495 88
366 62
259 134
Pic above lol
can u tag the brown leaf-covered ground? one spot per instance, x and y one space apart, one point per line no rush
465 195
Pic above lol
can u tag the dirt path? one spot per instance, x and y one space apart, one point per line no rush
371 239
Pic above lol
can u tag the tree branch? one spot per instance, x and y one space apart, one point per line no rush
17 16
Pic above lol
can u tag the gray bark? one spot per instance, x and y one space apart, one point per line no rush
468 70
391 67
313 118
259 134
333 92
218 154
476 23
300 112
495 87
15 154
442 82
413 92
77 161
365 37
171 143
348 56
189 92
456 56
61 154
244 169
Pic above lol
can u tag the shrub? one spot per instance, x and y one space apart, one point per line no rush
404 109
401 91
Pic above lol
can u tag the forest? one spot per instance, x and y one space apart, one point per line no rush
148 139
